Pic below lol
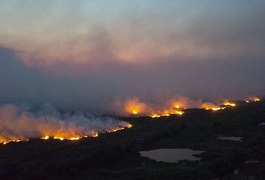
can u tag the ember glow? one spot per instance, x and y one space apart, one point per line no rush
18 125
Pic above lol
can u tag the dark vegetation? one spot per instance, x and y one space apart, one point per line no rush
115 155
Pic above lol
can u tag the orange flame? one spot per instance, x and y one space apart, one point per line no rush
175 109
253 99
134 106
211 106
228 103
177 106
63 136
5 141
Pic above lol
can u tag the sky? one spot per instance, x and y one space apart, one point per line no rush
88 53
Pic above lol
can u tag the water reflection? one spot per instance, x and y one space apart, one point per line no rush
171 155
239 139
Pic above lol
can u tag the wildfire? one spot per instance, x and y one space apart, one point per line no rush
59 137
134 106
45 137
211 106
116 129
253 99
174 110
5 141
18 125
228 103
256 99
62 137
59 130
70 138
179 112
135 112
177 106
155 116
167 113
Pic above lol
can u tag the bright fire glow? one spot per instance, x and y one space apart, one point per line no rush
18 125
63 136
5 141
173 106
179 112
45 137
228 103
211 106
135 112
134 106
155 116
253 99
174 110
177 106
256 99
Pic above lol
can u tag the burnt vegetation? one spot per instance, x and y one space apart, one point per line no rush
115 155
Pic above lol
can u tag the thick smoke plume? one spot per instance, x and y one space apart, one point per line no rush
18 123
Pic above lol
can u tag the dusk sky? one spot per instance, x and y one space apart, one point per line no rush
89 53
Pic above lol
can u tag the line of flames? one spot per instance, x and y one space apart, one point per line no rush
178 109
175 109
64 136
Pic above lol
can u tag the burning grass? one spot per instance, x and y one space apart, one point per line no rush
62 137
18 125
135 107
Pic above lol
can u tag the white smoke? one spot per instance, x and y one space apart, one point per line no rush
20 123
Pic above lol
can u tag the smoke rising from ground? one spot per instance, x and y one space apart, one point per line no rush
22 123
165 106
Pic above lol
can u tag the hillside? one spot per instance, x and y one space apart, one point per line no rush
116 155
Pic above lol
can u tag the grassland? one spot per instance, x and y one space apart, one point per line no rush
115 155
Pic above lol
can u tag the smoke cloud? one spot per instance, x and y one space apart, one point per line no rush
23 122
162 106
51 35
93 55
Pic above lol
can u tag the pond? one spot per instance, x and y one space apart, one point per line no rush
171 155
239 139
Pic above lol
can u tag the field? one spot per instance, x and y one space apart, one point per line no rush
115 155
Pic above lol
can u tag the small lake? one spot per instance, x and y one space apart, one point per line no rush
171 155
239 139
